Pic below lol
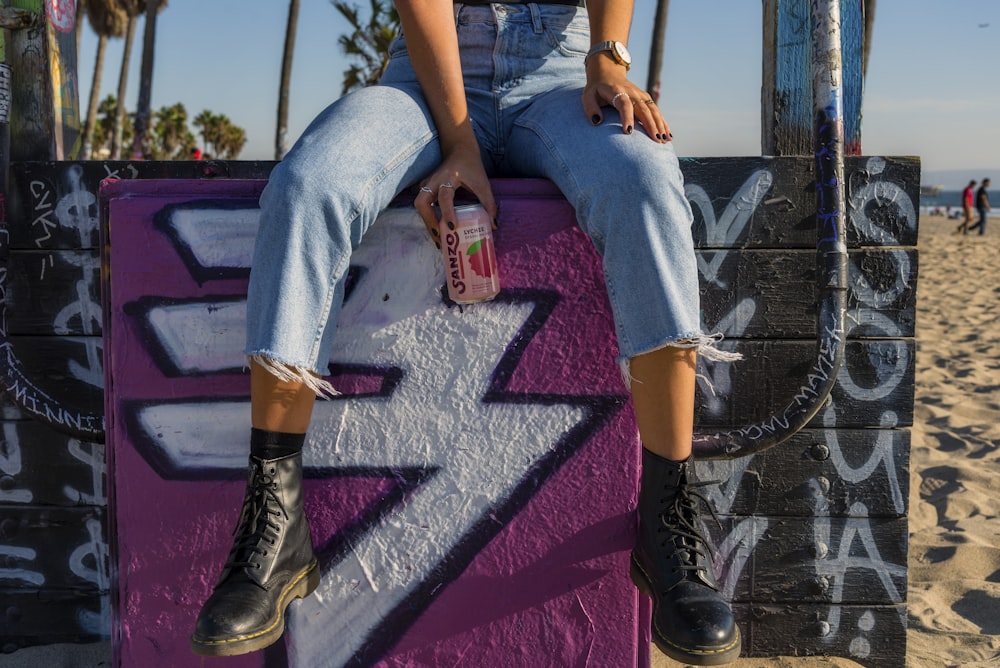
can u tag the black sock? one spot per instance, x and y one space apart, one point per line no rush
274 444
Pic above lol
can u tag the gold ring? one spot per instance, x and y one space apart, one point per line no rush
649 101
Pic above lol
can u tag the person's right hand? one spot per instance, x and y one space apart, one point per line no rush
461 167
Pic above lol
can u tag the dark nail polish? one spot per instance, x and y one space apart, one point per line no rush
628 130
496 223
438 245
451 226
595 119
435 233
671 135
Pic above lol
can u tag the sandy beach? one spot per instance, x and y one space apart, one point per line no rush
954 558
954 512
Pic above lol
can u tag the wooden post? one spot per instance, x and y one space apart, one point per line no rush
45 108
786 94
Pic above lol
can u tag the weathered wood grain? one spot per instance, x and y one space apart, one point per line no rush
54 548
53 616
835 560
875 387
54 293
42 467
817 473
872 635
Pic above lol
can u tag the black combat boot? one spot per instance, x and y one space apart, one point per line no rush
271 563
671 563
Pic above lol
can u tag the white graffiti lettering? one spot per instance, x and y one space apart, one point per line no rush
10 465
21 576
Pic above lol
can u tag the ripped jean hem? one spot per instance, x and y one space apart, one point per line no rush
706 346
291 373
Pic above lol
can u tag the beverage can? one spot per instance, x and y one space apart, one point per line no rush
470 259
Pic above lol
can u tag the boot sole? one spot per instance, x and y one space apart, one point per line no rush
300 587
694 656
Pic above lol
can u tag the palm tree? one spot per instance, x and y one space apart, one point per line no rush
233 141
218 132
108 20
173 140
104 129
140 141
286 76
368 42
656 49
204 122
132 8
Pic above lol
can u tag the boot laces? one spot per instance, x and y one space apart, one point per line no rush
680 521
257 530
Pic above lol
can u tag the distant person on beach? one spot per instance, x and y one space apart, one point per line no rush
982 206
967 203
472 91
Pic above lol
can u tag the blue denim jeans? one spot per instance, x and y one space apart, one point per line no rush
524 75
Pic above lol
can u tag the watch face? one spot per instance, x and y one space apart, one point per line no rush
623 53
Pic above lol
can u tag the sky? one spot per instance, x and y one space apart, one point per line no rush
931 90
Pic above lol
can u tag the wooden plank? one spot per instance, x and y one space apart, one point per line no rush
54 292
52 616
42 467
874 389
53 548
772 293
871 635
817 473
836 560
67 376
765 202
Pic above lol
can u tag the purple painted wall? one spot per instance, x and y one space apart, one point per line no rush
471 491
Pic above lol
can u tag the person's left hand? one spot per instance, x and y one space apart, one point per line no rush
607 85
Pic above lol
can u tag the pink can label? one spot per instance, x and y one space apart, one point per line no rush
470 260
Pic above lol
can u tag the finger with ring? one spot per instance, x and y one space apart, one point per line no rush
446 184
649 101
425 189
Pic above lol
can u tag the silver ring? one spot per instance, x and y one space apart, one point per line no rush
425 189
446 184
615 98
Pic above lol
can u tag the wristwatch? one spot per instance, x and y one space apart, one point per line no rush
618 51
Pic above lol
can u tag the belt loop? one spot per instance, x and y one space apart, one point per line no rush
536 18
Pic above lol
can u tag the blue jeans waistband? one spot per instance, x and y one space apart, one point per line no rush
572 3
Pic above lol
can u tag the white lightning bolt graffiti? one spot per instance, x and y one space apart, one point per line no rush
435 420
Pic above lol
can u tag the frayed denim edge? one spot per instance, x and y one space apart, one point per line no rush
292 374
706 346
